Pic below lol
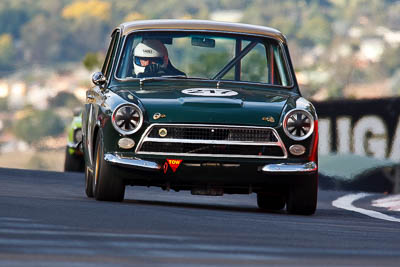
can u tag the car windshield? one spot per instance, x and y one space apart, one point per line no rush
213 56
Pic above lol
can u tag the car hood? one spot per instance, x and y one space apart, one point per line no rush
236 106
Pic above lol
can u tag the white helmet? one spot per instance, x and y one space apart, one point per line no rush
149 49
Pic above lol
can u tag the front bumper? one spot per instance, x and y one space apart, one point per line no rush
289 168
75 148
130 162
74 145
281 168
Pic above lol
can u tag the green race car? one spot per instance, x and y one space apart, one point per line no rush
74 161
209 107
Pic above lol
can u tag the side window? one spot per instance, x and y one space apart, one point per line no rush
280 64
110 54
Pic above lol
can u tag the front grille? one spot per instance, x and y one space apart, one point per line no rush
216 133
203 149
211 140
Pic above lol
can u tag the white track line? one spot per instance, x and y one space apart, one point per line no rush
346 202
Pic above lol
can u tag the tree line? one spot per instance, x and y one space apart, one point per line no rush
42 32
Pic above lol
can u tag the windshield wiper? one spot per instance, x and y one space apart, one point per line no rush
162 78
155 78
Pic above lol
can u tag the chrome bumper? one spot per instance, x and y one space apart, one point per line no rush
74 145
132 162
269 168
290 168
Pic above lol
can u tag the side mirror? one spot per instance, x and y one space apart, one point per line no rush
98 78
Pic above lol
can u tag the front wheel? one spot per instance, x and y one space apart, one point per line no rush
302 198
106 185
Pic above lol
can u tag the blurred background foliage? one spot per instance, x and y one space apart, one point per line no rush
340 48
55 32
35 124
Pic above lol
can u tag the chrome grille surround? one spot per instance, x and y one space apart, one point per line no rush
234 140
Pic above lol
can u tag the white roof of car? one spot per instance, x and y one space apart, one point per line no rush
201 25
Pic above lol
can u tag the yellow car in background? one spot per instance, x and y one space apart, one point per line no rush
74 161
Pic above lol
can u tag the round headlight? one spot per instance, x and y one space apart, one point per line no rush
78 135
298 124
127 119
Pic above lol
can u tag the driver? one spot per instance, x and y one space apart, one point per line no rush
150 59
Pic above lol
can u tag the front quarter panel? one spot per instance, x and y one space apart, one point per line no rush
309 143
103 117
90 121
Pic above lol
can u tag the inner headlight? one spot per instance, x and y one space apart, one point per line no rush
78 135
298 124
127 119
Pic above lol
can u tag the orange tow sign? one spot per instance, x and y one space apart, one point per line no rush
174 163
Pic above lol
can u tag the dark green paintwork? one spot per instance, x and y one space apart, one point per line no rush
166 97
248 107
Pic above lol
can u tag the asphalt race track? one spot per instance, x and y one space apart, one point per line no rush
46 220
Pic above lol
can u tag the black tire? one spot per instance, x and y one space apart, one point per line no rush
73 163
302 199
267 201
88 183
107 186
